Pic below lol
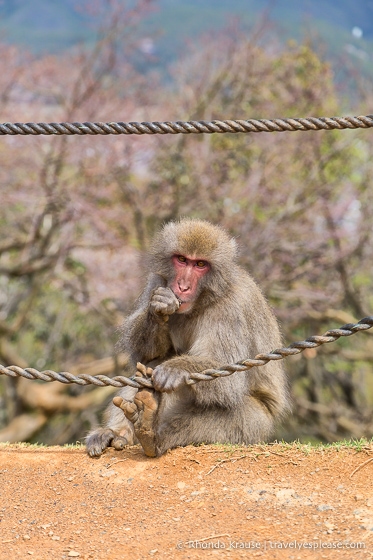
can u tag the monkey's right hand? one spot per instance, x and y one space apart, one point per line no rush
163 303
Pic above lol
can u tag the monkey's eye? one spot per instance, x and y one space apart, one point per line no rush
201 264
180 258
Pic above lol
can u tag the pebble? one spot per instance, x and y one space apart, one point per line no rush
106 474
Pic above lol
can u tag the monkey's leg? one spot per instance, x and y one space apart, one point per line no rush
142 413
180 424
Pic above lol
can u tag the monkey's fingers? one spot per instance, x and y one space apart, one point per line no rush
165 304
161 306
160 316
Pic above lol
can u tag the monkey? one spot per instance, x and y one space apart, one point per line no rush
199 310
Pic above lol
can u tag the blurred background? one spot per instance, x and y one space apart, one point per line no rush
77 213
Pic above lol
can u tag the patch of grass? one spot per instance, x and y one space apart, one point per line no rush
307 448
76 445
355 444
21 444
27 445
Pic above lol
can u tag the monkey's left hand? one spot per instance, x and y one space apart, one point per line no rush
167 378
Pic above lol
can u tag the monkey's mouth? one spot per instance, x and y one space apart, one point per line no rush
179 300
185 307
183 304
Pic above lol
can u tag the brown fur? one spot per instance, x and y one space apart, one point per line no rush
230 321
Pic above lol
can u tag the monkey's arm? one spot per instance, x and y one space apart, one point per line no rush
174 374
224 334
145 333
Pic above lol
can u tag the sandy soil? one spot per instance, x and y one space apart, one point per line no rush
198 502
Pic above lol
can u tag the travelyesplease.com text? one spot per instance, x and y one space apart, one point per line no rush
205 544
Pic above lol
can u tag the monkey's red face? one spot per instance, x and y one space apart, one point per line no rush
186 283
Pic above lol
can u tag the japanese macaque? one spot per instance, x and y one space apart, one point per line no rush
199 310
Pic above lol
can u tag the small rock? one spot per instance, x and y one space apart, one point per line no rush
324 508
367 524
73 554
106 474
285 494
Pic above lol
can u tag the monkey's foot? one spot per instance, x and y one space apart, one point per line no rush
142 413
102 438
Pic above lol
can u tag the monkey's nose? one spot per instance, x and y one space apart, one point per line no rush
184 288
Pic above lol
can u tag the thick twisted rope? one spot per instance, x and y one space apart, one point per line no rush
207 375
188 127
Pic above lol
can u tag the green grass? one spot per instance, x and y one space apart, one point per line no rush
357 445
306 448
27 445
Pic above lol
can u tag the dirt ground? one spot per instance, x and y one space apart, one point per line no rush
273 501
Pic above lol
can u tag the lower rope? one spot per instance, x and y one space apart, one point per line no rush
207 375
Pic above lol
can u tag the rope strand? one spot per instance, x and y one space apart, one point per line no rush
187 127
207 375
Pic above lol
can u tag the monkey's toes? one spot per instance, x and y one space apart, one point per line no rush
129 408
142 413
143 371
146 402
119 443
